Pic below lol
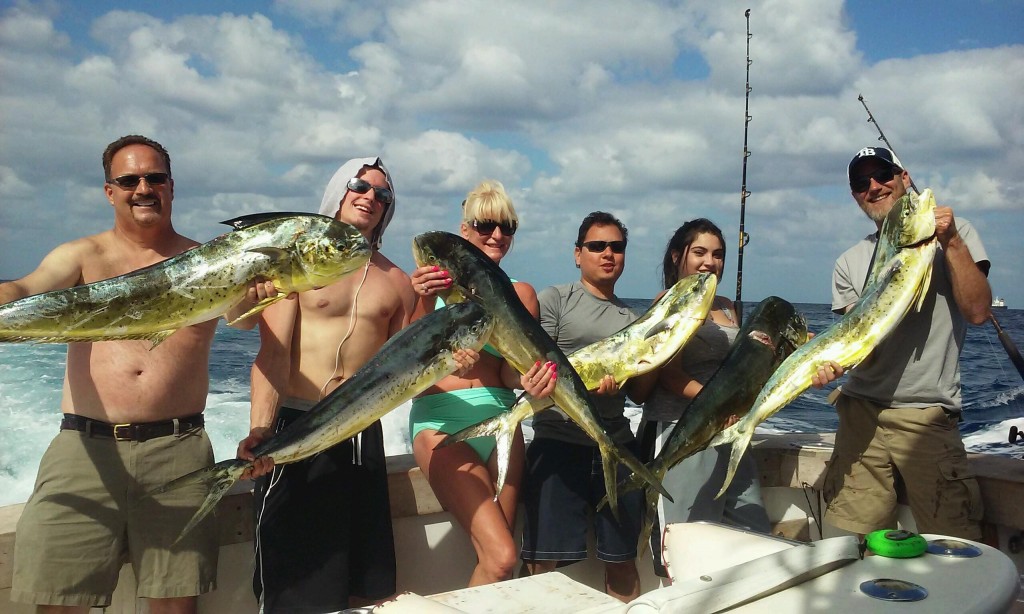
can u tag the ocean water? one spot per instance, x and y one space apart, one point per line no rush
31 377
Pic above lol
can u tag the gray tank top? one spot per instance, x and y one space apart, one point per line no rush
700 358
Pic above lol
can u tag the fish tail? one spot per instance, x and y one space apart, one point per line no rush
503 447
503 428
645 473
609 464
218 478
650 513
739 447
610 458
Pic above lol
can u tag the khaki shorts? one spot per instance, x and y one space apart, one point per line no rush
922 446
87 517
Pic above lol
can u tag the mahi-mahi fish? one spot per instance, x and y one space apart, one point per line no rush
646 344
413 360
772 331
901 283
296 251
519 338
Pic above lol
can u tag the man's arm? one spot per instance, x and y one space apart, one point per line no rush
60 269
971 291
270 373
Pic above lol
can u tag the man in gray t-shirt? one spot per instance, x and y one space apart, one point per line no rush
899 409
564 478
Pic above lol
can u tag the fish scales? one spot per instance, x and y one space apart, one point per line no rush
411 361
296 251
521 340
902 283
649 342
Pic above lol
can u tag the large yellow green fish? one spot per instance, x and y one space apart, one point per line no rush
521 340
901 283
297 251
413 360
646 344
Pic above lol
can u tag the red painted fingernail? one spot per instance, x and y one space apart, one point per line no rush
436 268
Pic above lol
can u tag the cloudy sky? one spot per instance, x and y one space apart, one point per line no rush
633 107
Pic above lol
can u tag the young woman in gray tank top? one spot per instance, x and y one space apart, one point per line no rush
698 246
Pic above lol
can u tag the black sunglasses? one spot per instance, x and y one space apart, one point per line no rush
597 247
129 182
359 186
861 183
487 227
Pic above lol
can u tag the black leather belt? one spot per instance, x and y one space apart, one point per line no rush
131 432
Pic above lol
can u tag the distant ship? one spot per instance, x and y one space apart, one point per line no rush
998 303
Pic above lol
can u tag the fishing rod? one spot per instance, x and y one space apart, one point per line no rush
1004 338
744 237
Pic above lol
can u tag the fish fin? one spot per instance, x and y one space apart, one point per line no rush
260 306
218 478
739 447
244 221
159 337
276 254
727 435
660 327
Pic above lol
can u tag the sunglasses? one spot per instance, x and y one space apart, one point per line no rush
597 247
384 195
884 174
487 227
129 182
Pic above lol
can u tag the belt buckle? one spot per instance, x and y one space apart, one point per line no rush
127 437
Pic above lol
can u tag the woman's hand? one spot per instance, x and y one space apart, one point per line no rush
539 382
465 358
427 281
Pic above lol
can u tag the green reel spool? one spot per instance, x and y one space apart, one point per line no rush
896 544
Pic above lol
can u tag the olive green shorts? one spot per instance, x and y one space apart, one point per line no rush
922 448
87 516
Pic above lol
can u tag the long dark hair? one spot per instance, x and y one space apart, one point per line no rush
680 243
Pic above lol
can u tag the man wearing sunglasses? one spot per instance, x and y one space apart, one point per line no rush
564 480
87 516
323 530
899 409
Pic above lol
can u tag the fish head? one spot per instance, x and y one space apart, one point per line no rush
778 323
698 289
690 298
327 250
910 221
469 268
469 326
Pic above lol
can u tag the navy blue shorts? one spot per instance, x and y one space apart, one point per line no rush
563 485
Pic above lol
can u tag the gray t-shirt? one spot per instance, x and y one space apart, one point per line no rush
918 365
699 358
575 318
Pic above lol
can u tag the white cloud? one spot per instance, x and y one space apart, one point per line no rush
631 107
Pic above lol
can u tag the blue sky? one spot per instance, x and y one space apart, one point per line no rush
633 107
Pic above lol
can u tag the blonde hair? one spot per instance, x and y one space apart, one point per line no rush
488 201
